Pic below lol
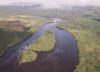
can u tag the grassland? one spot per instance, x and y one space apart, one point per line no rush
8 38
28 56
87 33
16 28
33 22
44 43
83 23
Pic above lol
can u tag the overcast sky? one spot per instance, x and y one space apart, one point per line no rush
55 3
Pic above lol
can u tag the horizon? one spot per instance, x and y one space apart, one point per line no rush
54 3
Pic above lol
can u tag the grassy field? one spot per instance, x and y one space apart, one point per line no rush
87 33
33 22
16 28
44 43
82 22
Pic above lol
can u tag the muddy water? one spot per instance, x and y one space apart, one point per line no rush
63 58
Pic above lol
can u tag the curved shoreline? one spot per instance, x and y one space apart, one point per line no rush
63 58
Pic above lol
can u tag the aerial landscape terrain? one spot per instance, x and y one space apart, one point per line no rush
34 39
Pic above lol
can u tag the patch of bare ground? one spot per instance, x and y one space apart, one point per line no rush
15 25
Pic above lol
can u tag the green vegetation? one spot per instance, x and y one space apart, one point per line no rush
44 43
39 22
11 29
28 56
11 33
33 22
82 22
8 38
87 33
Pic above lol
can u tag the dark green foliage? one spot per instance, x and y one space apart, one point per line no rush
8 38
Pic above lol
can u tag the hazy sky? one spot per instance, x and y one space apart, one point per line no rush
55 3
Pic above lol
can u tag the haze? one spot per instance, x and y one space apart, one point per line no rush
55 3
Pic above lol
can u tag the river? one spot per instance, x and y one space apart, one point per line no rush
63 58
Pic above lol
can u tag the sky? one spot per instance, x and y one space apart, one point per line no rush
55 3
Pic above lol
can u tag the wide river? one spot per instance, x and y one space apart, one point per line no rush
63 58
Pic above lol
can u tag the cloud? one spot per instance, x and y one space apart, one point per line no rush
59 3
56 3
12 1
